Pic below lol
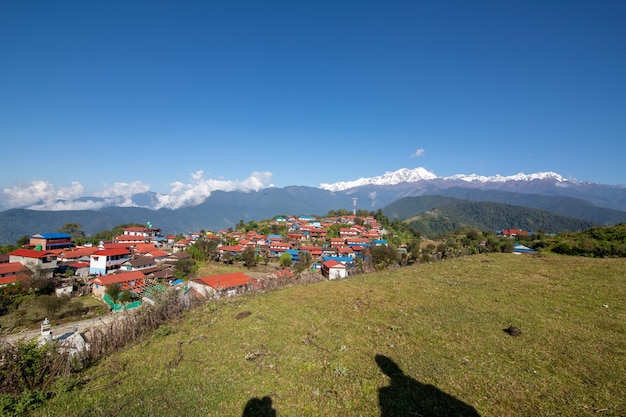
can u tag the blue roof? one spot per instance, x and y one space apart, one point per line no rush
52 235
522 249
337 258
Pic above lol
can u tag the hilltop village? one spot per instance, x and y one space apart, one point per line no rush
141 261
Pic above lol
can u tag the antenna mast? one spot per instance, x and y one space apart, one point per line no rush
354 206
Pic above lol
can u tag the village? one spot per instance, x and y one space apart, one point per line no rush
142 262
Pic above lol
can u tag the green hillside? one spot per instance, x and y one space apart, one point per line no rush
421 340
435 215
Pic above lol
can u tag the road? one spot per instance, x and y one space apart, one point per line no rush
83 325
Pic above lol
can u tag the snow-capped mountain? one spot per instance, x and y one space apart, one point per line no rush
405 175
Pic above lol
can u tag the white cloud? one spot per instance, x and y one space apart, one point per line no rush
40 192
200 188
42 195
70 205
123 189
418 153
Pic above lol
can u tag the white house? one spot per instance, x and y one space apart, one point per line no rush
334 269
106 261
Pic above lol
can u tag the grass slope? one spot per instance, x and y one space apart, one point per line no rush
426 340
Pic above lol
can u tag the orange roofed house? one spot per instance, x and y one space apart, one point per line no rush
13 272
133 281
224 285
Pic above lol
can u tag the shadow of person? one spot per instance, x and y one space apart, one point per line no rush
407 397
259 407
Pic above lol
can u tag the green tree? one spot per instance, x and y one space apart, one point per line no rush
125 297
184 268
304 261
249 257
51 304
285 260
73 229
113 291
384 256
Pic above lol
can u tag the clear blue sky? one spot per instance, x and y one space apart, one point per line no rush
147 94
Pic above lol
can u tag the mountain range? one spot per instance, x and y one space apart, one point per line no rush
599 204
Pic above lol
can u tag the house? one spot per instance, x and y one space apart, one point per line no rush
148 233
345 232
81 269
139 264
277 248
77 255
47 241
231 250
334 270
130 239
224 285
12 273
511 233
158 255
133 281
44 262
106 261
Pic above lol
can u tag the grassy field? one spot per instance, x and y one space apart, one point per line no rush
422 340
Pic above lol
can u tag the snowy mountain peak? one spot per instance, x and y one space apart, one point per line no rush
499 178
388 178
420 174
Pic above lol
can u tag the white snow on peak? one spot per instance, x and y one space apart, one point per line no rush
419 174
388 178
499 178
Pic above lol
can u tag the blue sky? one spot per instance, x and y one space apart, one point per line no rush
116 97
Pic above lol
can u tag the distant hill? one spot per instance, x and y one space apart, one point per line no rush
434 215
224 209
220 211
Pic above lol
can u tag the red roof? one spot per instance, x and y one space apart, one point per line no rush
111 252
224 281
79 265
29 253
119 278
12 268
13 278
157 253
333 264
235 248
77 253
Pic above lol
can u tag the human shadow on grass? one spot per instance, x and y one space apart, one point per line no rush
407 397
259 407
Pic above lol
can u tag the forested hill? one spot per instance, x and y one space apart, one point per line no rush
434 215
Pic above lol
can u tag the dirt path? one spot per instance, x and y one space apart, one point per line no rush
83 326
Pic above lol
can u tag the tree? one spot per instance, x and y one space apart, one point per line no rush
249 257
285 260
304 261
125 297
383 256
23 240
73 229
184 268
207 248
113 291
51 304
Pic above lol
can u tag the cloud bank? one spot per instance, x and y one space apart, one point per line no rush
43 195
200 188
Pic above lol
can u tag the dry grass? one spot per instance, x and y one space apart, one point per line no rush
313 350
